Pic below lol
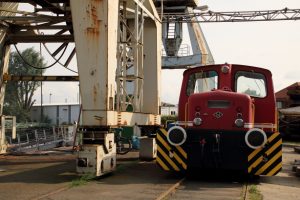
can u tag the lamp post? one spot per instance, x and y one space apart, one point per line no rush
41 120
50 97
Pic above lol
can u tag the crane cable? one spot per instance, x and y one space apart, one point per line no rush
58 61
49 66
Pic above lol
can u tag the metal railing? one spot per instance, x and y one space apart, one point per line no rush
39 139
184 50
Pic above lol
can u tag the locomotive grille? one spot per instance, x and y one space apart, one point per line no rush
218 104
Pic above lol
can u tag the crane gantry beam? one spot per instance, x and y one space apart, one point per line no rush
235 16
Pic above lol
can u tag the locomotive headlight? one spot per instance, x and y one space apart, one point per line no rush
225 69
255 138
197 121
176 135
239 123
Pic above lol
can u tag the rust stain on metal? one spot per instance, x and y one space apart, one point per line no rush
119 117
92 13
95 92
199 37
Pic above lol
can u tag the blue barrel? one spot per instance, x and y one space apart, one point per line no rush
135 142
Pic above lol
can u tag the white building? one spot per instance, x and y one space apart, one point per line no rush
67 113
169 109
63 113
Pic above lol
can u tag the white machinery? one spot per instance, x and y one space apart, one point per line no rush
4 60
172 39
11 122
118 44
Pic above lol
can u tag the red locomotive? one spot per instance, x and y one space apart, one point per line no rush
227 120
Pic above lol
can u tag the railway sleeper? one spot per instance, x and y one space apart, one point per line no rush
296 167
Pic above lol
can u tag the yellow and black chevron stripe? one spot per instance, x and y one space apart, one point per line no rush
267 160
169 157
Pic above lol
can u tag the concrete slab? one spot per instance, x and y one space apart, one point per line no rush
50 177
285 185
29 177
204 190
132 180
296 164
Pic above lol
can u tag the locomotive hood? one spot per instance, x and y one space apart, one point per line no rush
218 109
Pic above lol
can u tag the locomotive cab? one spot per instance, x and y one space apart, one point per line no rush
227 120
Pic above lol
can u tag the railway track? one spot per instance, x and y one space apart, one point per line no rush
178 191
133 180
245 192
189 189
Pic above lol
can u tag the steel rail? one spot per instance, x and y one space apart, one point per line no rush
170 190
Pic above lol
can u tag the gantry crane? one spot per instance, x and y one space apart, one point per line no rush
118 46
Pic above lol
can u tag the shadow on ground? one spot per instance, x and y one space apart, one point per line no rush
40 171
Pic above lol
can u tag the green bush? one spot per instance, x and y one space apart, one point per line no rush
168 119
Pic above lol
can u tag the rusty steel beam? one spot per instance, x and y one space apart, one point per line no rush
32 1
141 5
7 77
17 1
46 4
235 16
51 23
18 38
46 27
192 3
42 18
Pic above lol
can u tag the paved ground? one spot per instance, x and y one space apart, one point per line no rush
28 177
204 190
284 186
49 177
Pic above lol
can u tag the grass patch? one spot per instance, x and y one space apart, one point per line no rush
254 193
83 180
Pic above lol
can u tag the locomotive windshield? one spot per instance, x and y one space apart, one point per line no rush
251 83
202 82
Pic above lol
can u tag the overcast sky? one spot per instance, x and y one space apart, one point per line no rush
272 45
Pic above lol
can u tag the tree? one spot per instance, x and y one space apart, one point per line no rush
19 95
